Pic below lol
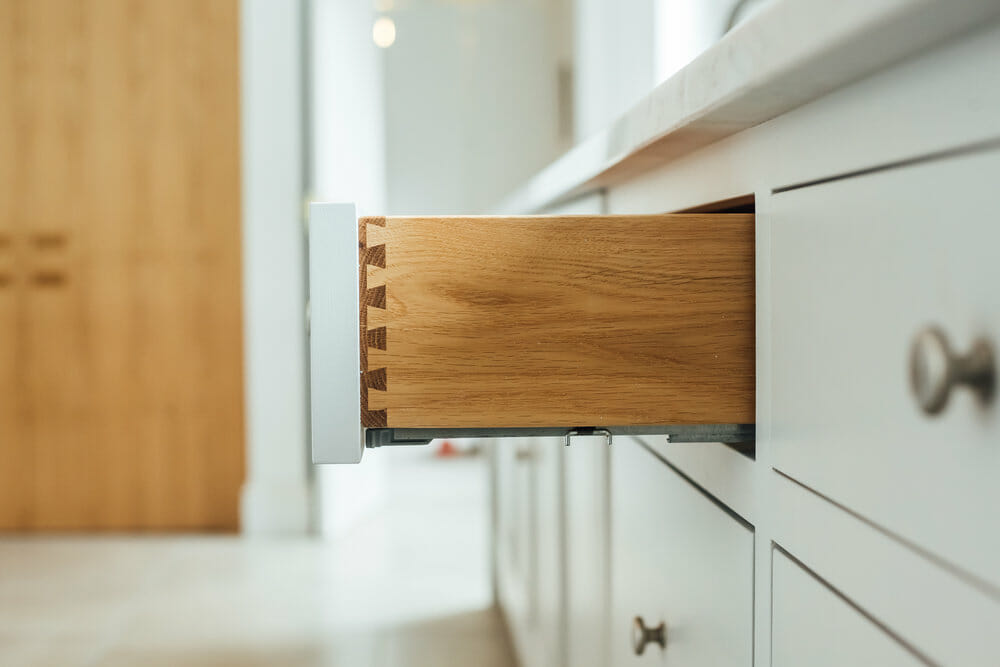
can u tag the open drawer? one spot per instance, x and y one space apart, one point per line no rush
424 327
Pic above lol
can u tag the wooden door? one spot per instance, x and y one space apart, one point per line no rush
120 299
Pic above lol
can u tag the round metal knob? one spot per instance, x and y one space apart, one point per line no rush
641 635
935 369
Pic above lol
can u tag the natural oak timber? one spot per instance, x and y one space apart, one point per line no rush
557 320
121 321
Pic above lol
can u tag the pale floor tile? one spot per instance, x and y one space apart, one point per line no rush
409 588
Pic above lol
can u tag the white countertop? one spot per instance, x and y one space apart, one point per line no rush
787 54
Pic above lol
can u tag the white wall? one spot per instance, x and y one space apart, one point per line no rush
685 28
623 49
613 55
472 106
347 116
348 164
275 497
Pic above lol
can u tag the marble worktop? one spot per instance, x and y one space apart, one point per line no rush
785 55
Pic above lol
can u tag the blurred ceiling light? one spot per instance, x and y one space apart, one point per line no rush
384 32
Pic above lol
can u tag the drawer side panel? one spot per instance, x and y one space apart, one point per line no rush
559 320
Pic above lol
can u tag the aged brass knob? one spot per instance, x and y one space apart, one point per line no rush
935 369
641 635
524 455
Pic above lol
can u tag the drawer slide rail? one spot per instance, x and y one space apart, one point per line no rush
727 433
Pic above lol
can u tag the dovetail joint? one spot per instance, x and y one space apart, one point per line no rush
375 379
375 297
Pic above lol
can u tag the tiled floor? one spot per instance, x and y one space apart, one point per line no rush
407 589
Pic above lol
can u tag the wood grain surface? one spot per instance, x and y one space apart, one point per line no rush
557 321
121 402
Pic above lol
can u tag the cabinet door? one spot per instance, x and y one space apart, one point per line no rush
680 559
813 625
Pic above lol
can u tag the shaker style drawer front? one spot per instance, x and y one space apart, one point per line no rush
812 625
682 570
885 307
542 322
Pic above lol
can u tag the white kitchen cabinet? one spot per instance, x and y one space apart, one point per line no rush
816 626
865 138
678 559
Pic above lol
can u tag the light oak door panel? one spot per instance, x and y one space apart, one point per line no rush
120 173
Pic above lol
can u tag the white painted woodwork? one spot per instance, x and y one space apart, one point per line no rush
911 541
859 266
719 469
933 102
678 558
812 625
278 491
550 553
335 380
515 542
588 552
944 616
529 552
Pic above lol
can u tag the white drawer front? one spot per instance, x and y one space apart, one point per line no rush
859 266
680 559
812 625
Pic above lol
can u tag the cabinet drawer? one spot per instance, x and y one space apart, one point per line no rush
859 267
812 625
531 322
678 559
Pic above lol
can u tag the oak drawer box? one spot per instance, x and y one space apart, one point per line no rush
550 322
